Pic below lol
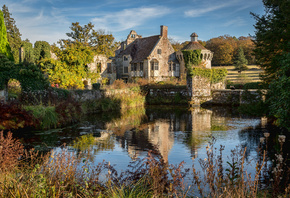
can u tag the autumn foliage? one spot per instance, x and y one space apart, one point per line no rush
13 116
226 47
10 151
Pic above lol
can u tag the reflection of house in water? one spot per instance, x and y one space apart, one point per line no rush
160 135
200 127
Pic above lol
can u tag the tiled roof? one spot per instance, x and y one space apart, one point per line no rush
193 35
194 45
141 48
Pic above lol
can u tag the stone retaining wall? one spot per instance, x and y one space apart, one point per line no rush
236 97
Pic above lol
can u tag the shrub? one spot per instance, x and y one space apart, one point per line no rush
10 151
69 111
13 116
45 115
96 86
118 84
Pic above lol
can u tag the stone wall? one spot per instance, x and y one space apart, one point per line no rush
84 95
2 95
169 92
236 97
199 90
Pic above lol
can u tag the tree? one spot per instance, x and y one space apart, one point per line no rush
248 46
99 41
241 61
272 54
272 36
279 93
28 51
4 44
223 48
13 34
71 67
41 50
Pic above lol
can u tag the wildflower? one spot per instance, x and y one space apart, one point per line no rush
266 135
281 138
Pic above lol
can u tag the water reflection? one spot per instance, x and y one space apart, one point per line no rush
177 133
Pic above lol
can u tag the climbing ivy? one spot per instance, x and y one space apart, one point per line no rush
218 75
191 58
213 75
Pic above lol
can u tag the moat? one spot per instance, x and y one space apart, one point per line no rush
177 133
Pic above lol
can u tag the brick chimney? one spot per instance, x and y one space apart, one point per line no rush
163 31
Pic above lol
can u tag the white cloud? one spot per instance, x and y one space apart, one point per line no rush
128 18
235 22
206 8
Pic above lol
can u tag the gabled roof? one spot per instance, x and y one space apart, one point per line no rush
194 45
141 48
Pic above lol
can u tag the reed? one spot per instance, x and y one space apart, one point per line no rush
66 173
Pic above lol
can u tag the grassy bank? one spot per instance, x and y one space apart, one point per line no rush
68 173
250 75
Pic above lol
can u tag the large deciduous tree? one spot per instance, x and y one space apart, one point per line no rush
13 33
99 41
4 44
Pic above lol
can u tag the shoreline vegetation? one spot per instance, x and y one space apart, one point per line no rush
55 107
71 173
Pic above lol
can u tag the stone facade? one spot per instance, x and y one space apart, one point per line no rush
206 54
105 67
199 90
152 58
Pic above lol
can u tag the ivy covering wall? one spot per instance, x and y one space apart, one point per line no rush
213 75
193 60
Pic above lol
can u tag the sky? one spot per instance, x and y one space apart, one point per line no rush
50 20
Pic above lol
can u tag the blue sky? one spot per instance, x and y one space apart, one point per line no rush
49 20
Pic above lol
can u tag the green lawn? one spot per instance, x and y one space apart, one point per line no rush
251 75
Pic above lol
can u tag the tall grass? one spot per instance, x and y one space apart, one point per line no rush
64 173
47 116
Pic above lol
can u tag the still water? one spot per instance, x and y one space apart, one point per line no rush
177 133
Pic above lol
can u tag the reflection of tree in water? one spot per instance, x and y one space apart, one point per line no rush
129 119
92 145
250 138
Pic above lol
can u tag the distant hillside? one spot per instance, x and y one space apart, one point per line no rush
251 75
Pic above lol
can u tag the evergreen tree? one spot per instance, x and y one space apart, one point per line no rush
272 40
41 50
272 36
13 34
4 44
28 51
241 61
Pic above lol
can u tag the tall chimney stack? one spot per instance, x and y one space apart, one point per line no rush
163 31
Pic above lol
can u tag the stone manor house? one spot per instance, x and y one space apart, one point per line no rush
152 58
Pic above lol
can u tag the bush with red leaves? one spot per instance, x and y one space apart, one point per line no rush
12 116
